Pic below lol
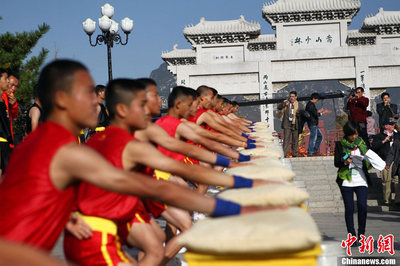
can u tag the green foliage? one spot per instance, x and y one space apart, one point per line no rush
14 51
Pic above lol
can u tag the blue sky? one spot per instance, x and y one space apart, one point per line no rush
158 26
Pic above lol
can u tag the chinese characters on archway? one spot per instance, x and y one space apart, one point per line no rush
265 95
308 40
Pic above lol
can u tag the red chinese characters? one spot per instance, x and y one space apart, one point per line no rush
367 244
385 243
348 243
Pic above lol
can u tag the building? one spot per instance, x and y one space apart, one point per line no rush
311 43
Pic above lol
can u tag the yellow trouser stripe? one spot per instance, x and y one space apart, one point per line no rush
98 129
188 160
120 253
100 224
140 218
104 251
162 175
3 139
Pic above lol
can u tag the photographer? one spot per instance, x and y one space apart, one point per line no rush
382 144
386 110
357 105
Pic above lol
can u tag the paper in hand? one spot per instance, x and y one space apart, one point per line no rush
357 160
375 160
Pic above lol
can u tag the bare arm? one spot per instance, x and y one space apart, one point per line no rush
34 114
241 119
19 254
223 123
215 136
235 123
89 166
188 133
147 154
157 134
206 118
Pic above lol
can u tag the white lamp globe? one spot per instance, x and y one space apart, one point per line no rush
127 25
104 23
114 27
107 10
89 26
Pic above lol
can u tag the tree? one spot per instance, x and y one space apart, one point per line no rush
14 52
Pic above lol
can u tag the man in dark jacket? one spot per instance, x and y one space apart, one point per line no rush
357 105
315 134
386 110
382 145
393 159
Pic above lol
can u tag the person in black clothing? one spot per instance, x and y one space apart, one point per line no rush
352 176
382 144
103 118
357 105
34 117
5 128
315 134
393 165
386 110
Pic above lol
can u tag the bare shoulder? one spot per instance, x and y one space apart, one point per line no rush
203 117
183 126
189 124
143 134
73 162
138 147
34 110
156 133
211 113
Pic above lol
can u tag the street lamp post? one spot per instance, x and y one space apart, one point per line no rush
109 34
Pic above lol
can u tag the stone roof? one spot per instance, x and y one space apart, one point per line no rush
360 34
290 6
360 37
265 38
178 53
283 11
205 27
382 18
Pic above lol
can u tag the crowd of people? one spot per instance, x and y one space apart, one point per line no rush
107 191
360 135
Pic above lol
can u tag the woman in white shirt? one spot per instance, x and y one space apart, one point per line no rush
353 176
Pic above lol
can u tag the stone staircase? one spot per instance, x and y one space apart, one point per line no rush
318 176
